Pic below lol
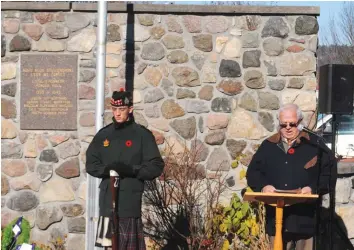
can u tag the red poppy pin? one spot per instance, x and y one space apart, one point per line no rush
291 151
128 143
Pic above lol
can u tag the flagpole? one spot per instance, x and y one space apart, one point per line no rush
92 205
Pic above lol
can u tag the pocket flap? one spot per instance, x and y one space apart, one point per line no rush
311 163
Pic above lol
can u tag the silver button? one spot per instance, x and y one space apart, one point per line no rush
286 162
286 185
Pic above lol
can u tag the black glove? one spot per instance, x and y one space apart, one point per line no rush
124 170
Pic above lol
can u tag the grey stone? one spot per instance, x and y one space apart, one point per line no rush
167 86
216 24
44 172
84 41
72 210
26 17
77 21
3 202
296 83
230 181
218 160
173 42
193 23
185 93
58 231
76 225
57 31
254 79
229 68
141 67
152 111
113 33
203 42
185 127
266 119
3 45
199 150
11 150
306 25
47 215
88 63
197 106
10 14
173 25
250 40
153 52
153 95
10 59
140 119
343 190
87 75
276 27
215 137
20 43
248 102
271 68
251 59
69 149
9 89
198 58
221 104
146 19
48 155
177 56
22 201
75 241
185 76
277 84
268 101
235 147
201 124
273 46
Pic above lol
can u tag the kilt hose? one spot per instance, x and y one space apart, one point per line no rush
130 233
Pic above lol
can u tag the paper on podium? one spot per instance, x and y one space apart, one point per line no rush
273 198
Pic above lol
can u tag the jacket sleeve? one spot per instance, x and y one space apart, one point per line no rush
327 175
256 177
94 165
152 164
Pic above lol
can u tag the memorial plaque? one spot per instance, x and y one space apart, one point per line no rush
48 92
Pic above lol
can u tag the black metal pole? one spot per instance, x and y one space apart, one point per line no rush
332 190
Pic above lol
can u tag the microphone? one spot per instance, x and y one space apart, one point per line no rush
303 128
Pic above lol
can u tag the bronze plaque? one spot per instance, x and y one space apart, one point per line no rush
48 92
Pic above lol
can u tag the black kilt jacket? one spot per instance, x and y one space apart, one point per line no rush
131 144
288 170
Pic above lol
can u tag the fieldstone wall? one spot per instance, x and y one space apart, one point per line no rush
214 80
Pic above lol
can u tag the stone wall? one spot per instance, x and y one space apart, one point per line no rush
218 79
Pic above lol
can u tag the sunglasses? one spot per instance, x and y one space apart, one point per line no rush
290 124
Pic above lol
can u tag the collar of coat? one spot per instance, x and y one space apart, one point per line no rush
276 138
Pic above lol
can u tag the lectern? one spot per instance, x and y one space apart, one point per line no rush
279 200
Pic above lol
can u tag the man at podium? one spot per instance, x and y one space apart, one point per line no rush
288 161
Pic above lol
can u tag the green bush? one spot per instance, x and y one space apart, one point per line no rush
7 234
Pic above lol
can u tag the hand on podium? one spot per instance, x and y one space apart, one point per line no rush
306 190
268 189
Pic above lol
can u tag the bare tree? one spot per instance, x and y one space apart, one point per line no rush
339 44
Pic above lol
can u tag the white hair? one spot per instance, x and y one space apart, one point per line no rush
299 114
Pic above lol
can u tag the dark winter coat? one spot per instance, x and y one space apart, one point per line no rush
134 146
288 170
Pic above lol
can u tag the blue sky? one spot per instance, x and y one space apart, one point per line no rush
327 10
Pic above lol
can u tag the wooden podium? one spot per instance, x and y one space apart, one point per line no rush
279 200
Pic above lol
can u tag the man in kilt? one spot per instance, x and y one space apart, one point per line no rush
130 150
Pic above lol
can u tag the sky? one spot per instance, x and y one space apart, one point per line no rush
327 10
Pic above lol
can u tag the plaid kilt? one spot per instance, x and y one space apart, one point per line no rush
130 234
